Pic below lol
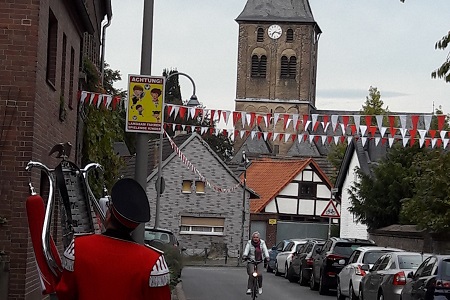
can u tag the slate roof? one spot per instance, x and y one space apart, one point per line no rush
153 155
277 11
268 176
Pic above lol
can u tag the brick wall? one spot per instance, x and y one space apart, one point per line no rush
29 123
174 204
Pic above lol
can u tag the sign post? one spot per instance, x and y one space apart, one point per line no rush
330 212
145 113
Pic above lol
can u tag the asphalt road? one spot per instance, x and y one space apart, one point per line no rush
230 283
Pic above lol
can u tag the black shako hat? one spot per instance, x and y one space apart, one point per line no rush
130 203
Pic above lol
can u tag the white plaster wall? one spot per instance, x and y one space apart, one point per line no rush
287 206
306 207
290 190
349 227
323 191
271 207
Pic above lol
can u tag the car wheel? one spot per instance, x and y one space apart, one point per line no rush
277 273
303 280
360 293
351 293
323 289
285 271
338 292
312 282
380 295
291 275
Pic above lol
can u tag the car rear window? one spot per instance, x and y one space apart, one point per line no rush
409 261
154 235
445 269
345 249
372 256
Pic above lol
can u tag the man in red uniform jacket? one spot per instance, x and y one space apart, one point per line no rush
111 265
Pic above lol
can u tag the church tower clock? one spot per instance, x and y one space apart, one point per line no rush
277 61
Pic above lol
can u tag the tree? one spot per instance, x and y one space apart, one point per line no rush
221 143
376 197
429 206
372 106
102 127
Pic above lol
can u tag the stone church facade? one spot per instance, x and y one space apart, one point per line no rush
277 62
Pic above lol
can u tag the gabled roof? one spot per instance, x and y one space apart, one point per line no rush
367 155
277 11
268 177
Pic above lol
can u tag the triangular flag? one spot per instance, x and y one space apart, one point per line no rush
368 120
422 133
314 121
363 140
403 131
357 119
363 129
402 121
392 125
275 135
334 121
405 141
383 131
226 116
391 141
275 119
441 121
336 139
379 121
295 121
427 121
176 109
243 118
286 137
377 140
433 143
285 121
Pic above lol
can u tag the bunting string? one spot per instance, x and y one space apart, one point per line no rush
287 127
194 169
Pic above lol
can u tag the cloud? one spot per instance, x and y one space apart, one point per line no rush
354 94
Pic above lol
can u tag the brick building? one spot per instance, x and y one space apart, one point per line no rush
42 45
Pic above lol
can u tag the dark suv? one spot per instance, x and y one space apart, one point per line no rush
302 261
330 260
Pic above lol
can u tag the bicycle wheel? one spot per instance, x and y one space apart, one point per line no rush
255 288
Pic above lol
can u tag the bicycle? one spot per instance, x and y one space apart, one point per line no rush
254 293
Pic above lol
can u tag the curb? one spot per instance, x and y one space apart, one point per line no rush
179 292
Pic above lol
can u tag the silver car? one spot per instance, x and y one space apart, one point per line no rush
284 258
350 276
387 277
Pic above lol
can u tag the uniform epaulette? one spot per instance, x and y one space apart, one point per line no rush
155 249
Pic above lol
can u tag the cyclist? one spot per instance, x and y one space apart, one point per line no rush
256 250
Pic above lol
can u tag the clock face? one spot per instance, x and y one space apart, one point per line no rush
274 31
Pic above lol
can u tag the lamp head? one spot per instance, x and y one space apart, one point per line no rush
193 101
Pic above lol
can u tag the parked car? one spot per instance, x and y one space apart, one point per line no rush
349 278
158 237
330 260
273 254
431 280
387 277
284 258
302 260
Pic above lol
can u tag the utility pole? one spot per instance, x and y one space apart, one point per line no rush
140 171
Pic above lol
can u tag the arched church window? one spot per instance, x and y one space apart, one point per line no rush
289 35
259 66
260 35
288 67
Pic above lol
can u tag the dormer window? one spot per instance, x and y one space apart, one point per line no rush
260 35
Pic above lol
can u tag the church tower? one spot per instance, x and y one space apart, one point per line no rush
277 63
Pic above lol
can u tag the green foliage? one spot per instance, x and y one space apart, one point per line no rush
429 207
221 144
374 106
102 127
444 70
376 198
335 156
174 260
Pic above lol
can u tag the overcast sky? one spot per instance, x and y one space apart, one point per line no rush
381 43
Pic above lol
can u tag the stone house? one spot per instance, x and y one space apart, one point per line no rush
192 205
41 50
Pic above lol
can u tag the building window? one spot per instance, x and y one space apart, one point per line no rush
189 185
63 65
202 226
259 66
260 35
186 187
72 76
289 35
288 67
307 190
52 48
199 187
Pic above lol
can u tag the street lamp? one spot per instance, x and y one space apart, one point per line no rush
243 167
193 101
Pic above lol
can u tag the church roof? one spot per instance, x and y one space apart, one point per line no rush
277 11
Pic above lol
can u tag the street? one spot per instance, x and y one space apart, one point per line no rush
225 283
